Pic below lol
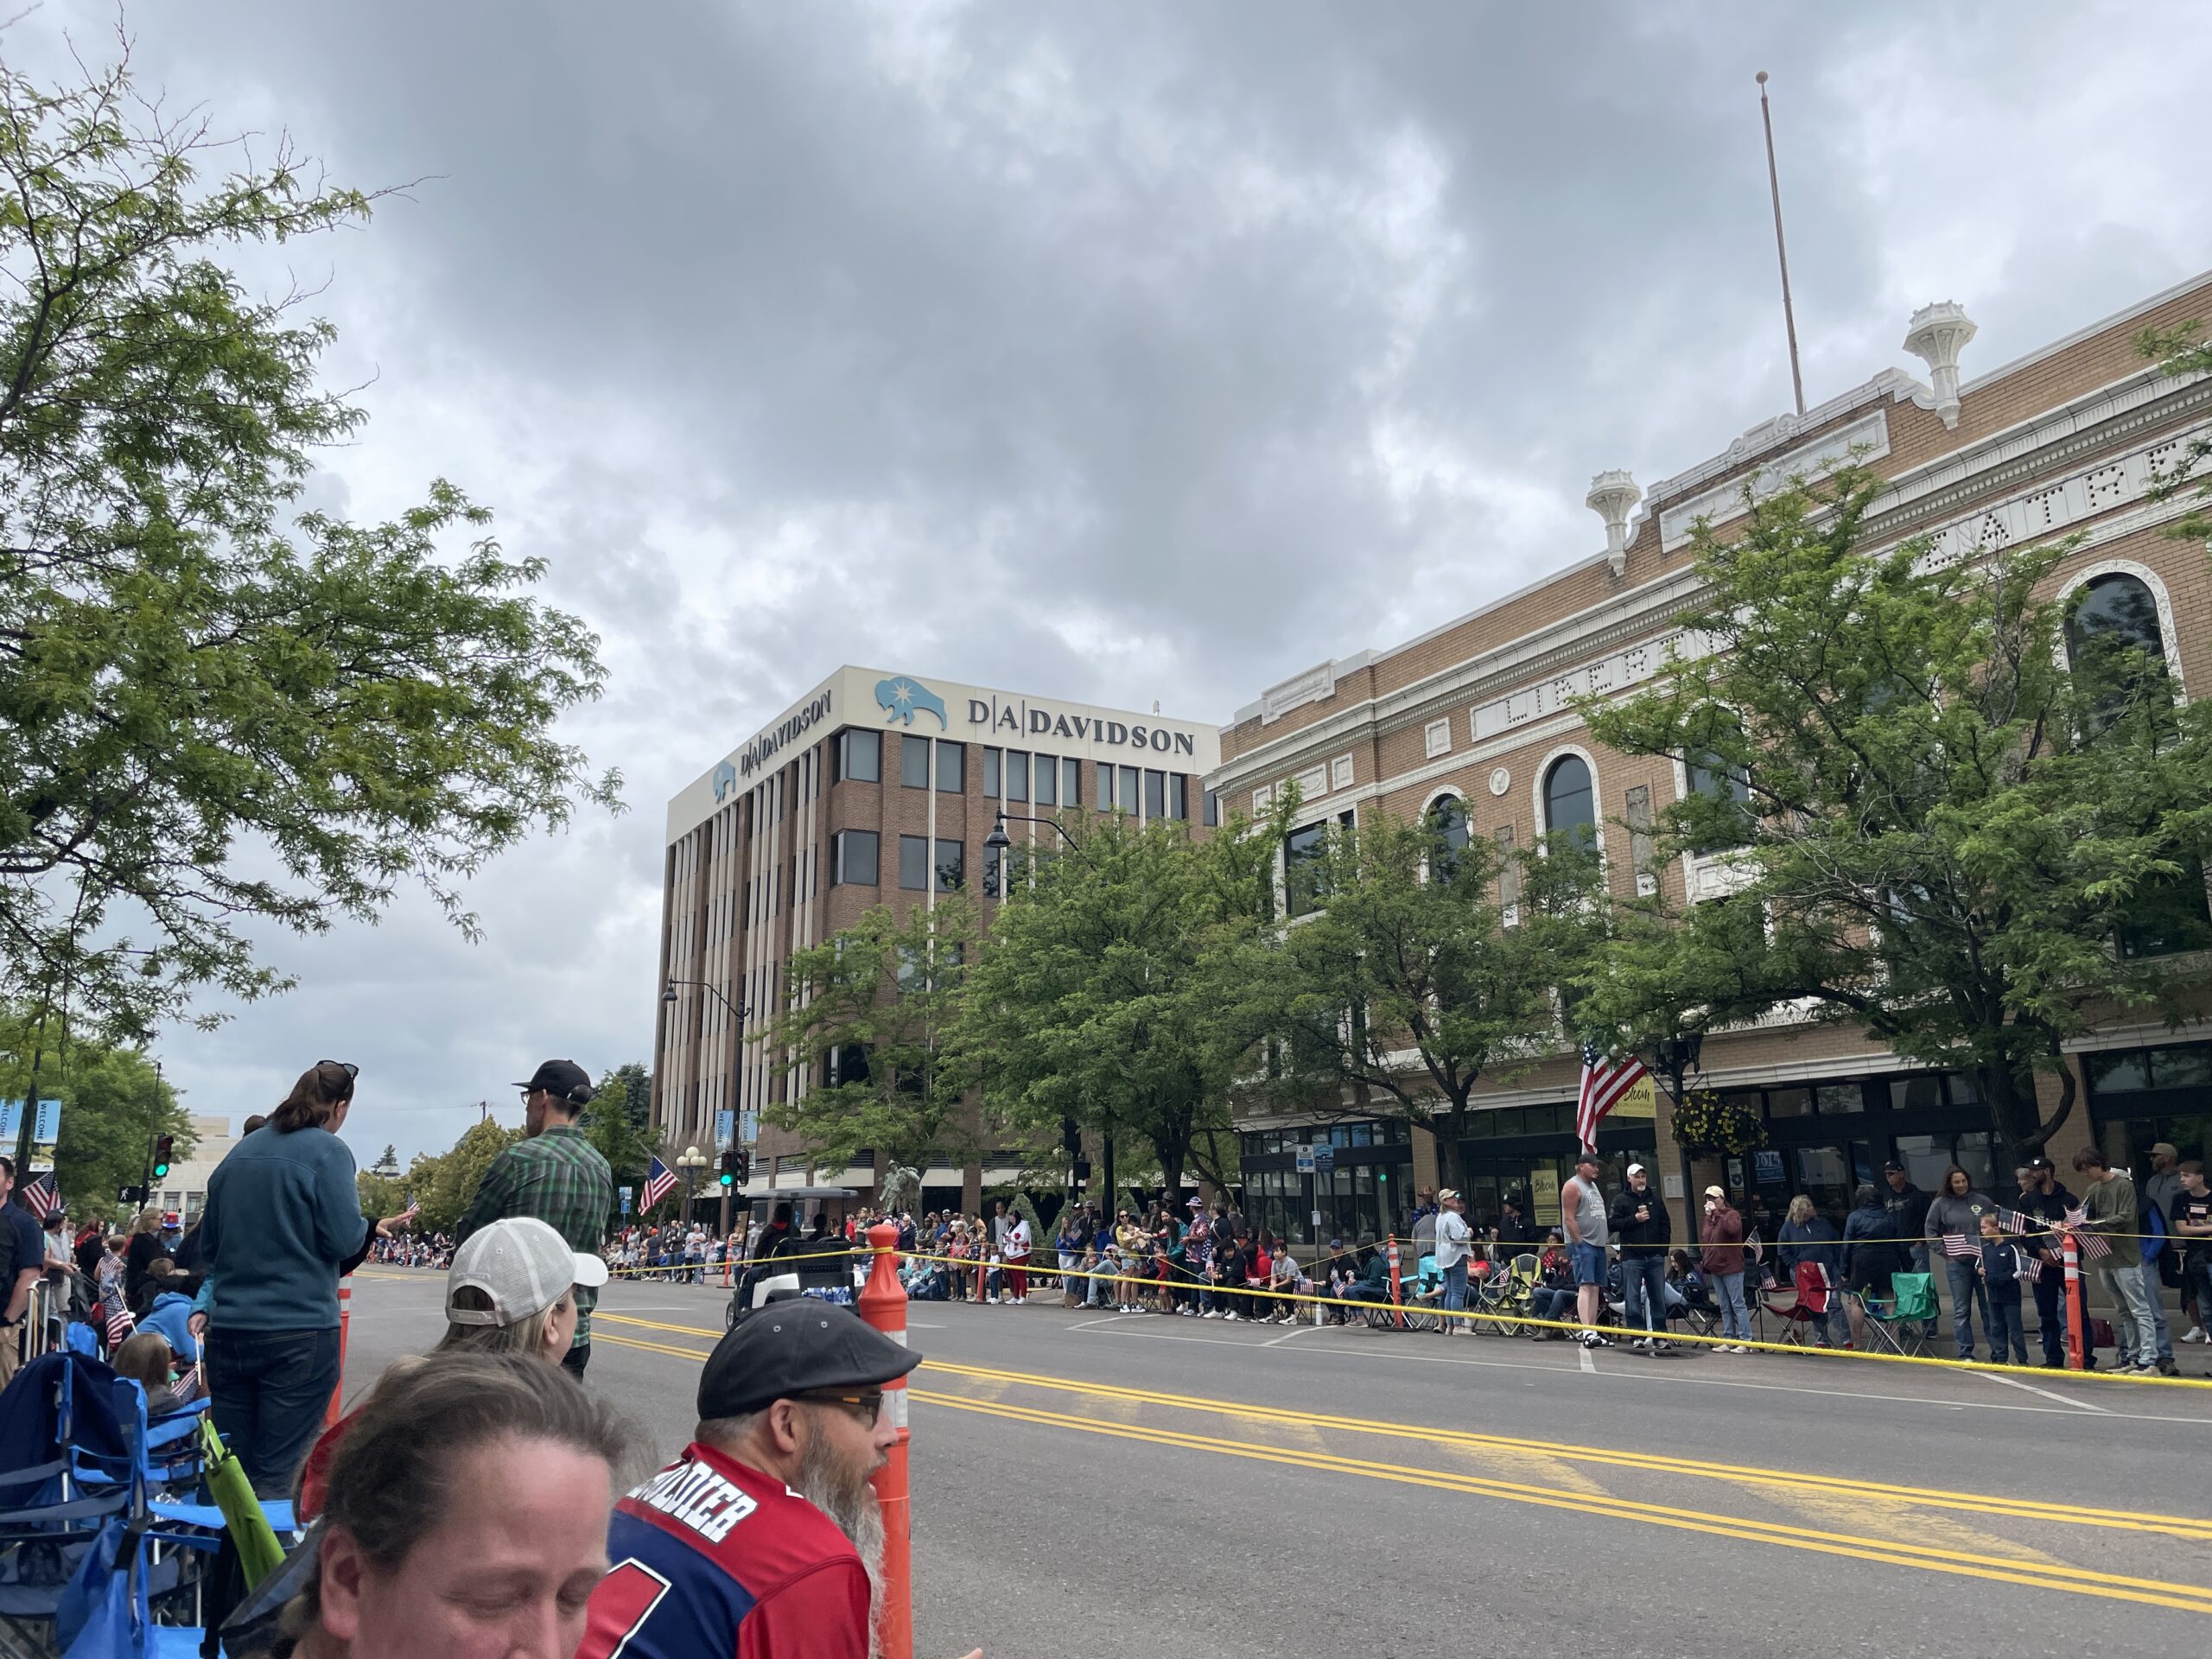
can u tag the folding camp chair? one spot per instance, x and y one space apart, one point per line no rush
1902 1320
1802 1307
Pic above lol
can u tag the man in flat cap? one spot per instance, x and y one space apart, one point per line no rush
764 1540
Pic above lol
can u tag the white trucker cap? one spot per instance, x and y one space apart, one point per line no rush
523 1266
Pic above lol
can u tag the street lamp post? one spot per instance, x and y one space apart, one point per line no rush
739 1013
1677 1057
691 1163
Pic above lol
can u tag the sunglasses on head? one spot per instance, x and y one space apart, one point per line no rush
351 1070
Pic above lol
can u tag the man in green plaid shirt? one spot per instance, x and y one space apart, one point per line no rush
555 1175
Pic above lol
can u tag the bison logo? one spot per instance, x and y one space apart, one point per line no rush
901 698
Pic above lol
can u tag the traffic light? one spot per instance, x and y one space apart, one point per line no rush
164 1146
742 1165
730 1171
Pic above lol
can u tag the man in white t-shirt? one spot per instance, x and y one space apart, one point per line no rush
1016 1242
1454 1239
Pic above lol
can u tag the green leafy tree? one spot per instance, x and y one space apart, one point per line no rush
1942 820
2184 352
1408 986
445 1185
217 711
113 1103
637 1084
610 1125
1117 993
380 1194
871 1007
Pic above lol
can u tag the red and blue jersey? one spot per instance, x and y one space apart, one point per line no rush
712 1558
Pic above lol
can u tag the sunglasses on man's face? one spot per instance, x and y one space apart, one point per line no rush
866 1406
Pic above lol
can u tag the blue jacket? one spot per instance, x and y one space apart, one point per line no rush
1814 1242
169 1315
282 1214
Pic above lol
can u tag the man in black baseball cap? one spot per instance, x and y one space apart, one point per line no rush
765 1532
556 1176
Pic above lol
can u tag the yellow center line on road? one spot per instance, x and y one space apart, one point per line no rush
1988 1505
2074 1581
1992 1504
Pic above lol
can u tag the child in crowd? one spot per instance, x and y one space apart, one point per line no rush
2002 1269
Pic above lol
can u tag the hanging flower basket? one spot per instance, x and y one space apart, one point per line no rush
1705 1126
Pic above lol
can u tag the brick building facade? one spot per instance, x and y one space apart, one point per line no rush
2062 442
874 788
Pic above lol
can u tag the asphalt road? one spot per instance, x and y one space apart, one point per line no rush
1127 1485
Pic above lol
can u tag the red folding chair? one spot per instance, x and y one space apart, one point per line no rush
1802 1307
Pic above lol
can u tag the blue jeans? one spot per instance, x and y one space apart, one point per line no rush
2158 1309
2006 1329
1643 1286
2050 1319
268 1390
1735 1317
1455 1291
1550 1302
1965 1282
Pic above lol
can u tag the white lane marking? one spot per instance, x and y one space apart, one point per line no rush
1638 1375
1277 1342
2064 1400
1588 1363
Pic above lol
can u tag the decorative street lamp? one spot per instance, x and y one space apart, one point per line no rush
691 1163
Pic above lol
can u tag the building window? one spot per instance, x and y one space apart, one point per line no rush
854 855
1017 774
1447 822
914 762
1070 783
1105 797
1436 739
1179 796
951 866
914 863
1155 794
2118 607
1303 886
857 756
951 767
1126 793
1213 808
1570 804
1729 789
1048 781
994 873
992 759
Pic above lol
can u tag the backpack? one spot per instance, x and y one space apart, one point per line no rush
2155 1232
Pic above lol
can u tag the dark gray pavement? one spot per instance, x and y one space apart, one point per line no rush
1111 1484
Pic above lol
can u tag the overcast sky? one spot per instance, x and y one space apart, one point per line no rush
1116 352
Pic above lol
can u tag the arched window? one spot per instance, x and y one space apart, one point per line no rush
1570 803
2118 607
1729 789
1447 822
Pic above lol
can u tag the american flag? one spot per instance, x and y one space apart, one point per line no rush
1604 1082
1959 1244
2092 1244
42 1198
188 1381
660 1181
119 1324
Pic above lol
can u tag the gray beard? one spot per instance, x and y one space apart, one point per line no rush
843 1493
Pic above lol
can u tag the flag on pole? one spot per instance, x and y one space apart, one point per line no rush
1604 1082
1959 1244
660 1181
120 1325
2093 1243
42 1198
188 1381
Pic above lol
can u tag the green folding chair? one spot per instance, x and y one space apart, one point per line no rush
1902 1320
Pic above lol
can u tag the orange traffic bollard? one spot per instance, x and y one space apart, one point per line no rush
334 1410
2076 1327
882 1303
1396 1299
